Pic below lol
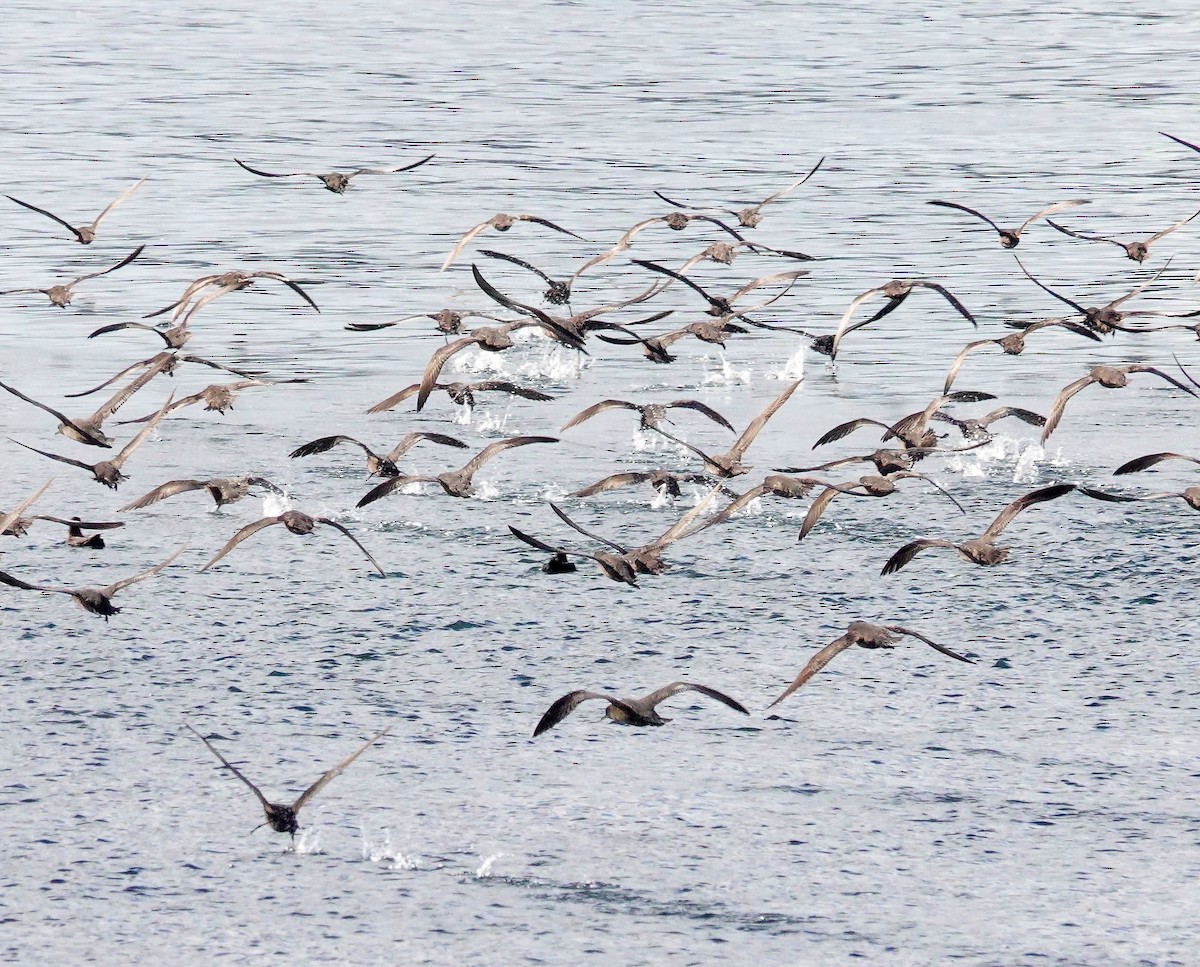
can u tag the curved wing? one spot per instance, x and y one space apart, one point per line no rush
91 525
815 664
1028 500
115 202
548 224
395 398
462 243
743 442
792 187
492 449
41 211
225 762
612 482
1060 404
114 588
571 701
1170 379
391 171
817 508
1081 235
962 358
325 444
334 524
268 174
337 770
410 440
248 531
1045 288
845 429
54 456
1050 210
597 408
911 550
584 531
161 492
392 483
7 520
112 268
1150 459
493 254
932 644
654 698
512 389
702 408
969 211
433 370
62 418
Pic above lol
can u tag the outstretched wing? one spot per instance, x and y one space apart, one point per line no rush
756 425
676 687
1050 210
161 492
268 174
114 588
911 550
815 664
115 202
571 701
1150 459
62 418
334 524
1060 404
1004 518
969 211
7 520
253 788
41 211
391 171
112 268
336 771
932 644
248 531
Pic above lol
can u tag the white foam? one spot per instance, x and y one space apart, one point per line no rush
794 367
377 853
308 842
485 868
275 504
725 374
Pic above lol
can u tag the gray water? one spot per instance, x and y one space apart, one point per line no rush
1039 806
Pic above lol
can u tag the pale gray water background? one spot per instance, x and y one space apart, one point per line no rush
1038 807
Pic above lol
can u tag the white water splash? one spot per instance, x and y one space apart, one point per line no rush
725 374
491 422
377 853
275 504
485 868
486 490
308 843
1024 456
794 367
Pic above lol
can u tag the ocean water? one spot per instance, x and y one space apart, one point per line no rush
1037 806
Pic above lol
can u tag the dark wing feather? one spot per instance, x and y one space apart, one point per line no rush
336 771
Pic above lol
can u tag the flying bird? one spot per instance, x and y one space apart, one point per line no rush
223 490
93 600
501 223
864 635
60 295
1011 237
1110 377
980 550
335 181
378 465
280 817
630 711
296 522
456 483
107 472
751 216
84 234
895 292
729 463
1137 251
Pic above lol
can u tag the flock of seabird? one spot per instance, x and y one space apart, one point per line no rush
906 441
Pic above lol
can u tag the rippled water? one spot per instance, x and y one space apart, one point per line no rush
1038 806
